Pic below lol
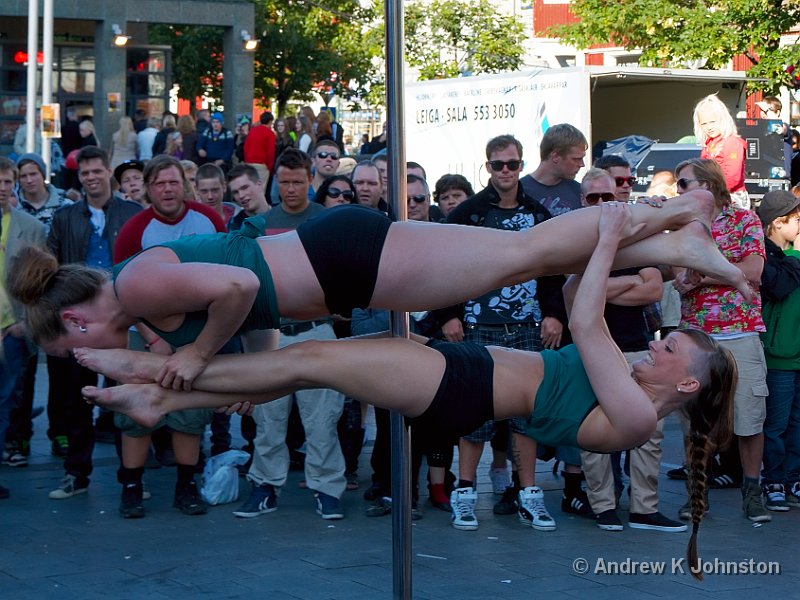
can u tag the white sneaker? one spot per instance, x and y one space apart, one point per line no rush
500 479
69 487
532 510
463 501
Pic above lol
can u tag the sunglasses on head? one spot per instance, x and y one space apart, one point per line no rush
620 181
346 194
419 198
331 155
684 182
595 197
497 165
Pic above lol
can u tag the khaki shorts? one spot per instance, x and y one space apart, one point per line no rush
749 404
191 422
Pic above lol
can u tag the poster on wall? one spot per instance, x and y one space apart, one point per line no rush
51 120
113 101
449 122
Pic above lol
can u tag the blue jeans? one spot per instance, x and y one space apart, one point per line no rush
782 428
12 365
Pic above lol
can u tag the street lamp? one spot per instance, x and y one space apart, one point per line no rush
249 44
120 39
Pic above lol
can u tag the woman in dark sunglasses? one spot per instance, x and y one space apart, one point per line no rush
336 190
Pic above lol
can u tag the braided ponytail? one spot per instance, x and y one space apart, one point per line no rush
710 415
700 449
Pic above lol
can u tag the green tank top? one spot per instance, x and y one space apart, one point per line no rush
563 400
228 249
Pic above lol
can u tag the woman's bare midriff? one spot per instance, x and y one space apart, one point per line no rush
517 376
297 288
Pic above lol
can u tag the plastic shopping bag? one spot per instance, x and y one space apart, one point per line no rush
221 477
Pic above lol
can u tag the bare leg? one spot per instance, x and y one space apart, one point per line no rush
362 369
186 447
691 244
477 259
148 403
134 451
469 455
396 374
485 259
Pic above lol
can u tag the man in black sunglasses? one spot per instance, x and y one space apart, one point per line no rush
620 170
597 187
325 158
419 199
527 317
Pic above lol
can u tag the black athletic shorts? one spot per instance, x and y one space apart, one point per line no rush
465 398
344 247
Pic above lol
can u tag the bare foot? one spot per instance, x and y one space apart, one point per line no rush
697 205
142 403
703 255
125 366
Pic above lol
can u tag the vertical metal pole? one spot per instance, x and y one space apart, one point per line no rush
33 47
401 441
47 75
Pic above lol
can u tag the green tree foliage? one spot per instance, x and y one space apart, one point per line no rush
311 45
448 38
196 58
710 32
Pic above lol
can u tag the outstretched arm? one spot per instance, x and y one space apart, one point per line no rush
161 291
630 413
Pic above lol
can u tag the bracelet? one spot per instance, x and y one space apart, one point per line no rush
149 344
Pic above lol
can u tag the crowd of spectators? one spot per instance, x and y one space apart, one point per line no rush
165 178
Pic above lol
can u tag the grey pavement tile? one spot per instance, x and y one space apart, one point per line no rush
264 587
37 566
667 587
271 566
336 558
614 592
221 589
564 583
371 577
93 577
44 589
195 573
143 587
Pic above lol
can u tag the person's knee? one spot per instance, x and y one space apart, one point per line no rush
305 361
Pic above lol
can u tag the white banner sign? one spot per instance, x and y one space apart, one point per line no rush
448 122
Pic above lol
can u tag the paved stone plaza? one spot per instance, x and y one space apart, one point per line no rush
80 548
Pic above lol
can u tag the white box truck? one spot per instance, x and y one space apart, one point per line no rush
448 122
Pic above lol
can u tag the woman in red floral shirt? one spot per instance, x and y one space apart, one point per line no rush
722 312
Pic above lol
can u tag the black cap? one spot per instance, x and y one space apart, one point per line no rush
777 203
128 164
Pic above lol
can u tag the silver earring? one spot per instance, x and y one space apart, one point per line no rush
82 329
